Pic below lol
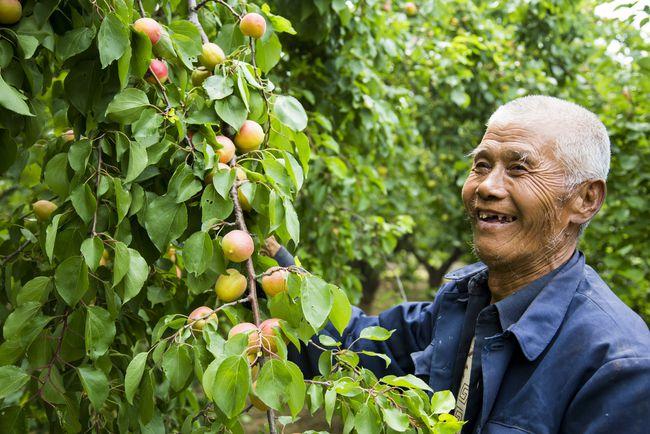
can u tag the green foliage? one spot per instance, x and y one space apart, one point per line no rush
95 300
398 102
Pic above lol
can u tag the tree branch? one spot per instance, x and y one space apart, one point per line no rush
241 223
194 19
15 253
99 171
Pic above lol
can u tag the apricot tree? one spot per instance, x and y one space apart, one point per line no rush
116 315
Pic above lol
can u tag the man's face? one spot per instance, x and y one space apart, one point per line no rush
513 196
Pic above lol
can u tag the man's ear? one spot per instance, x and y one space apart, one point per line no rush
587 200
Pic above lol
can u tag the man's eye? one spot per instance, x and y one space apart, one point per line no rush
518 168
481 165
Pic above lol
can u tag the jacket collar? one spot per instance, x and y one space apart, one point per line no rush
541 321
543 317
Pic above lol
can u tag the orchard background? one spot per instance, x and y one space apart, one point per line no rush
367 110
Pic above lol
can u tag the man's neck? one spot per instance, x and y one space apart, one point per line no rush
504 281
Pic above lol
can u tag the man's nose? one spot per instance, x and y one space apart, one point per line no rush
492 187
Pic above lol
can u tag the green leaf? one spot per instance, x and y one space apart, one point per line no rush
146 128
141 54
197 252
209 376
84 203
395 419
28 45
222 180
121 262
122 199
12 379
408 381
443 401
127 106
183 184
36 290
316 300
267 52
272 383
218 87
50 235
375 333
232 110
13 100
384 357
367 421
95 384
19 320
136 276
138 161
113 39
280 24
231 385
71 279
92 250
134 375
177 364
214 206
291 221
56 177
186 40
165 220
78 155
330 404
74 42
297 389
341 309
290 112
100 331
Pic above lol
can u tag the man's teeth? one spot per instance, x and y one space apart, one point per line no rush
498 217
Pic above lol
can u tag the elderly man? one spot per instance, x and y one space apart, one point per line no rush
530 340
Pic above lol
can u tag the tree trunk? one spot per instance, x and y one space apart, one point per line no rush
369 283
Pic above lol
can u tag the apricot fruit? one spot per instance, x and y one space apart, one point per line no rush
200 317
211 56
230 286
227 150
249 137
275 281
237 246
410 8
43 209
149 27
253 25
199 75
11 11
269 329
159 69
68 136
253 333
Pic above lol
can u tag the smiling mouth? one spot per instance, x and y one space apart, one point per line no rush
490 217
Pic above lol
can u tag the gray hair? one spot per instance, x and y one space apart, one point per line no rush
582 144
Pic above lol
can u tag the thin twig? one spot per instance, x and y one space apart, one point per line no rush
97 180
15 253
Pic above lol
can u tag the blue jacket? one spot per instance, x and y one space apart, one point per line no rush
576 361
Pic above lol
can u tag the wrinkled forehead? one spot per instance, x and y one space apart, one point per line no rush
533 139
